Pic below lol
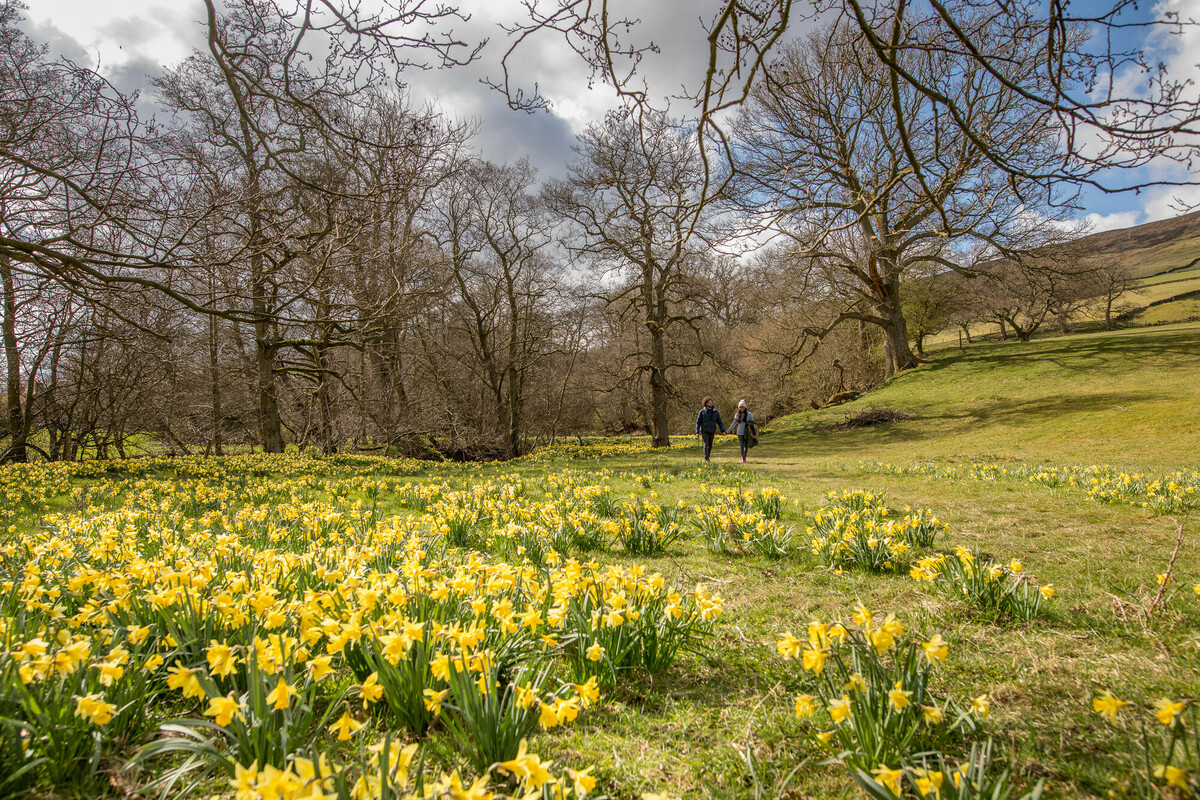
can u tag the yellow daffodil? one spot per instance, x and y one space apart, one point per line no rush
221 660
548 716
928 781
936 649
370 691
814 660
583 782
185 680
1174 776
898 698
1167 710
789 646
223 710
839 710
588 691
528 769
94 708
281 696
888 777
345 727
319 667
862 616
1106 705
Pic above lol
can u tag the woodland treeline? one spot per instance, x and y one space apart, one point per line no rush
293 251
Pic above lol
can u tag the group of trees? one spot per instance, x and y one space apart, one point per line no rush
296 252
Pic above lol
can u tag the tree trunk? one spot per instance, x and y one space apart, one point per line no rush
16 415
512 433
897 355
659 387
269 425
325 404
214 377
966 329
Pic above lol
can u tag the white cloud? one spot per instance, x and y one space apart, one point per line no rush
1107 222
159 31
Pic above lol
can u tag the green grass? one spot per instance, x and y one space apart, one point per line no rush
1170 277
1171 312
1153 292
1124 397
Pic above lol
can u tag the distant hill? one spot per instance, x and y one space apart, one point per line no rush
1168 245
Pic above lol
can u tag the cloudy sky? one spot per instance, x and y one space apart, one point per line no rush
131 40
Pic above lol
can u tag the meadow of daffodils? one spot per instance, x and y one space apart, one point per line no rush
359 627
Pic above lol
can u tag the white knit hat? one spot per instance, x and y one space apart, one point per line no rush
741 403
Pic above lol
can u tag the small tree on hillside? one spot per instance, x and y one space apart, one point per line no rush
1116 287
929 299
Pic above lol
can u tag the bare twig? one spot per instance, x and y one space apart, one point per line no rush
1159 599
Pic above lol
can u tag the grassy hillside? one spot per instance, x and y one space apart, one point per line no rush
329 548
1163 257
1124 397
1150 249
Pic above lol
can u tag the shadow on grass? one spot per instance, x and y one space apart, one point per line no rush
728 673
1081 352
818 441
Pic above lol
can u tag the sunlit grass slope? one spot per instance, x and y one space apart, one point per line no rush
1126 397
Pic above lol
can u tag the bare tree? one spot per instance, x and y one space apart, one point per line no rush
634 199
821 158
497 235
929 299
1114 285
1081 50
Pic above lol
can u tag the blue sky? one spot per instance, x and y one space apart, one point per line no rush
1179 51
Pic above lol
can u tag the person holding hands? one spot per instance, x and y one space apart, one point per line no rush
743 421
708 425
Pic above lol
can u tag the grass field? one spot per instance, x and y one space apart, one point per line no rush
1170 312
991 427
1165 289
1171 277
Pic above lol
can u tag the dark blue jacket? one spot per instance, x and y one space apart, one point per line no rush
709 421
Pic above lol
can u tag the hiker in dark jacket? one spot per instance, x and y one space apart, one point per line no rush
708 424
743 421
